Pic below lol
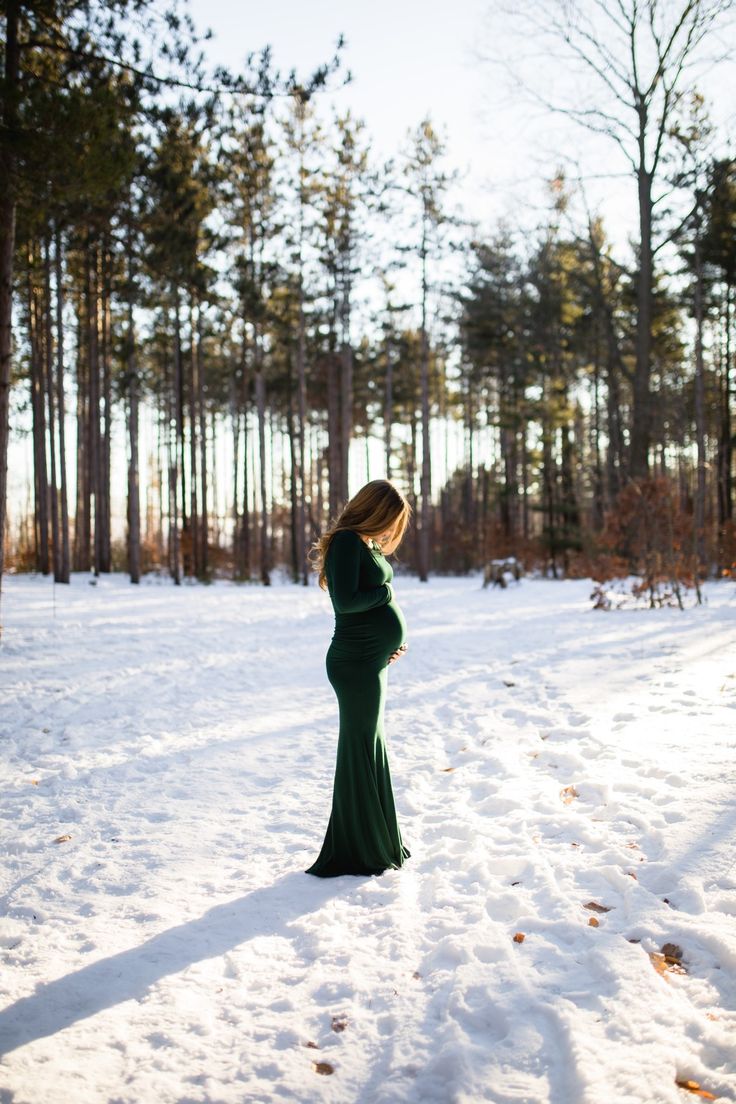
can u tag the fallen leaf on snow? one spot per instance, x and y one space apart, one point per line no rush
519 937
665 964
416 975
593 923
323 1068
62 839
339 1023
593 906
694 1088
311 1045
568 793
446 770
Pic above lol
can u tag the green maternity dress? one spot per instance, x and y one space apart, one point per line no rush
363 834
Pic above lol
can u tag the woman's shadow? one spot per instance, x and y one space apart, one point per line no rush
127 975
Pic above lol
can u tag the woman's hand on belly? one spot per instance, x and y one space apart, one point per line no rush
398 653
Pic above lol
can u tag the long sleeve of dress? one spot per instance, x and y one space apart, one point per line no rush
343 571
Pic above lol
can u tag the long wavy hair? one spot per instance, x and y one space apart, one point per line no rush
376 507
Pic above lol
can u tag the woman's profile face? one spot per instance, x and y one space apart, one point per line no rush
388 538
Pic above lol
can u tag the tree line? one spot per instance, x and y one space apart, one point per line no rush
226 256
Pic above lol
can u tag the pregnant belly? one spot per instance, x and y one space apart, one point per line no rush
371 638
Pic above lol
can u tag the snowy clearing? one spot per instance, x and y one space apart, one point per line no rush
545 757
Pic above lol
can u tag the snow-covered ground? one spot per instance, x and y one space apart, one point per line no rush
545 758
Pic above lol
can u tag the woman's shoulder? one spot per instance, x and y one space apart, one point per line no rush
343 543
344 536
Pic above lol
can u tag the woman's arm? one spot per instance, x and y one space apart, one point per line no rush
343 570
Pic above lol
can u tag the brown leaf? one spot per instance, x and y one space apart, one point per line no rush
311 1045
519 937
712 1016
671 950
324 1068
574 844
631 874
339 1023
694 1088
664 965
592 922
62 839
508 682
593 906
416 975
568 793
446 770
34 781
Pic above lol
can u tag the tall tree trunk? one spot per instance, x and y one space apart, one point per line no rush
725 438
524 481
293 487
64 566
193 390
49 371
183 547
548 486
246 543
134 515
346 394
261 411
93 362
614 432
469 427
595 431
39 423
641 412
203 465
569 506
699 404
235 429
334 446
9 109
388 404
301 413
173 412
106 435
82 515
425 484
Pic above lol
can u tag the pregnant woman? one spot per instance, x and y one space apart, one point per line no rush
363 835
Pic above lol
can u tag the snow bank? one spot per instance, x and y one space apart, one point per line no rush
562 774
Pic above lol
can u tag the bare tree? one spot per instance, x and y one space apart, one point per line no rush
631 63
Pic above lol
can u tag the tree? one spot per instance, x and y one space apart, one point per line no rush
427 183
637 56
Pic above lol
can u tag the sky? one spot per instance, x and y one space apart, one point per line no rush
462 63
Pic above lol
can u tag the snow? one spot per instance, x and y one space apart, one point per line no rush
173 950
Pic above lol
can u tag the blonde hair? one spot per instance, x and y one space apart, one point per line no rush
376 507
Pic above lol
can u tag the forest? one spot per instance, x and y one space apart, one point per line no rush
220 311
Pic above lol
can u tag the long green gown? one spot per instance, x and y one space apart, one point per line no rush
363 834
